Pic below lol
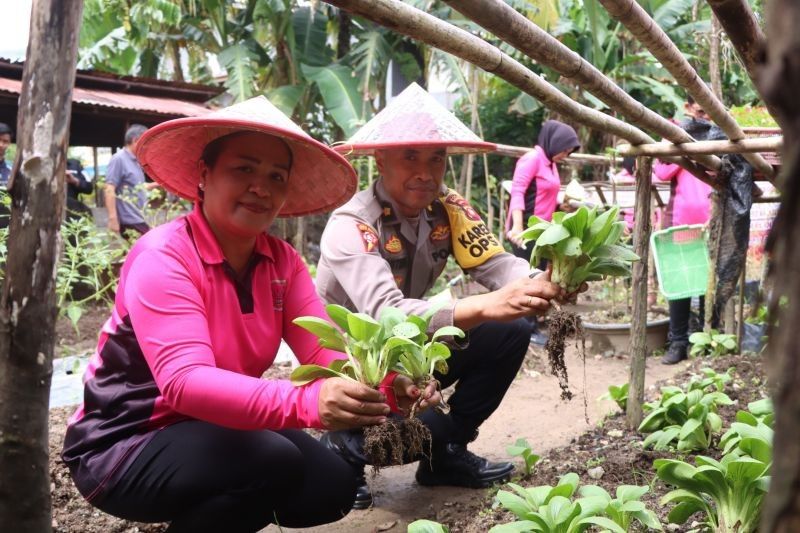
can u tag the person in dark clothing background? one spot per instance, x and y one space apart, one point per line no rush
77 184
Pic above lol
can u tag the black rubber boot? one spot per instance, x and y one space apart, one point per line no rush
455 465
676 353
348 444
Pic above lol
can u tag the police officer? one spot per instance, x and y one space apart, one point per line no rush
387 246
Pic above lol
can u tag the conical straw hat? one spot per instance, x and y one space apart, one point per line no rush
414 118
320 179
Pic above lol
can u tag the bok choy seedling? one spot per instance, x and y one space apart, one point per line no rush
582 246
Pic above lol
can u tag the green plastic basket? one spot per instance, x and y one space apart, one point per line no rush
681 258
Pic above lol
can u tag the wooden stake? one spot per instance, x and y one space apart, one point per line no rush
638 339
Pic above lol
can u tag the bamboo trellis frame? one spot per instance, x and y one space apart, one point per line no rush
419 25
745 146
504 22
645 29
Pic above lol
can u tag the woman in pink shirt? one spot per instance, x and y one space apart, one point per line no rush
689 203
534 189
177 424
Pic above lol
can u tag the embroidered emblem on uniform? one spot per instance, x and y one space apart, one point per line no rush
469 212
440 232
393 245
369 236
399 280
278 292
387 211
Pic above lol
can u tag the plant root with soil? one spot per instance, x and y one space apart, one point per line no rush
564 325
396 442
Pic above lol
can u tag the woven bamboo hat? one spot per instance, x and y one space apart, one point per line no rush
414 119
320 179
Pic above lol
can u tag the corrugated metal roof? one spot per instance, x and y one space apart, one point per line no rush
132 102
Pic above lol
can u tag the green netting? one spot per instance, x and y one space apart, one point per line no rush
681 258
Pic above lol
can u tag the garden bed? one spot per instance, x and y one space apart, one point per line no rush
618 450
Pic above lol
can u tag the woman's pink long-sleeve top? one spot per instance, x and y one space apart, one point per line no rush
689 201
188 339
535 186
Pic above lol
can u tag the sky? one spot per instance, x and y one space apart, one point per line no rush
16 23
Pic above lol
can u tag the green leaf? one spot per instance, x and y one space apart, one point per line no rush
239 62
570 247
627 493
362 327
305 374
522 526
616 252
339 91
409 330
603 522
553 235
515 504
575 222
339 315
329 335
286 97
448 331
427 526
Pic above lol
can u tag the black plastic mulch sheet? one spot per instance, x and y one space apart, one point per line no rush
737 199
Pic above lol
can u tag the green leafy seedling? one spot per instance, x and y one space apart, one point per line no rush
523 449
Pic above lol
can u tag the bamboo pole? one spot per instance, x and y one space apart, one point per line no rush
644 28
519 151
521 33
421 26
740 24
757 144
638 338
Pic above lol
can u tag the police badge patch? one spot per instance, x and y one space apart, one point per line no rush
368 235
393 245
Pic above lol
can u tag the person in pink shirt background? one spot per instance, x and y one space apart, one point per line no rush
177 424
689 203
534 190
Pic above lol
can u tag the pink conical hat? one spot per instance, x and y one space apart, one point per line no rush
320 179
414 118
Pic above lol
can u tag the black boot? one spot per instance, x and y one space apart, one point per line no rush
675 354
455 465
348 444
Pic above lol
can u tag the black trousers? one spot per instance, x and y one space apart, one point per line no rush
482 374
203 477
679 315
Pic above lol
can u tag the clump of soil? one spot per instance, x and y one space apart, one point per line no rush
396 442
564 325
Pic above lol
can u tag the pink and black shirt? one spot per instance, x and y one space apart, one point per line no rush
188 339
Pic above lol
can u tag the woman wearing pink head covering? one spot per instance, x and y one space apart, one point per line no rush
534 190
535 186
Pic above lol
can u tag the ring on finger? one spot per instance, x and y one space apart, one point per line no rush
530 301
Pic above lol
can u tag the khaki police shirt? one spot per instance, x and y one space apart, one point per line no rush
372 257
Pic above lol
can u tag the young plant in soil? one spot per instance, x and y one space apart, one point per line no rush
582 246
729 492
395 342
552 509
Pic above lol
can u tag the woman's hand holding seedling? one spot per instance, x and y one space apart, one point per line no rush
406 392
345 404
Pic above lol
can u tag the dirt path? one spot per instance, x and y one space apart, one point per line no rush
531 409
